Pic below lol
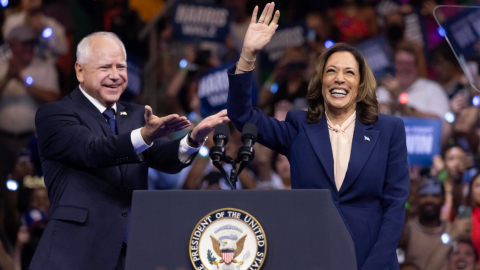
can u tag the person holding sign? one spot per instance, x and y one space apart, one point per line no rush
341 143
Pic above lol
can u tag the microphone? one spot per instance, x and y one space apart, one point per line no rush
220 138
246 153
221 134
249 135
217 152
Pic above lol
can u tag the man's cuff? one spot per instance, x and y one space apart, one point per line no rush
138 143
186 152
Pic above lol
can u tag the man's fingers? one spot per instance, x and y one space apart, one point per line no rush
225 119
276 17
176 121
268 17
264 13
177 127
254 15
169 118
180 126
222 113
219 120
148 112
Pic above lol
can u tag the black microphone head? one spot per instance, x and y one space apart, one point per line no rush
250 131
222 131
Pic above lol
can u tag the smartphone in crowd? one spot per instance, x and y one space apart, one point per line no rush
464 211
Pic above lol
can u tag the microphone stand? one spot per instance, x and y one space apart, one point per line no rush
244 155
233 173
233 179
217 154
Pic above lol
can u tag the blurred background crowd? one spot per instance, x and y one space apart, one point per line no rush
178 52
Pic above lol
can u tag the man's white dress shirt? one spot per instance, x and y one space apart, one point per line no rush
185 151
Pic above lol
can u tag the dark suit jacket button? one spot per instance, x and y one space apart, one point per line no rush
124 214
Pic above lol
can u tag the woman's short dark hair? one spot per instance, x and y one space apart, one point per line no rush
449 147
367 104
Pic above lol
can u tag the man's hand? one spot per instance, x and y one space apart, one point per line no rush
13 70
157 127
23 236
461 226
207 125
437 165
458 102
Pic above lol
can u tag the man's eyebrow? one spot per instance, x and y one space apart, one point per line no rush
109 64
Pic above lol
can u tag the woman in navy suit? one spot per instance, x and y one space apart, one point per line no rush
341 143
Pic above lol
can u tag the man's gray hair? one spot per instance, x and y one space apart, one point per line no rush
83 48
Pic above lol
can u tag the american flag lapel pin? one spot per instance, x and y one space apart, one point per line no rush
123 113
366 138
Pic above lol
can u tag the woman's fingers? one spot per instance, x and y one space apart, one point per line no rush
254 15
268 17
264 13
275 18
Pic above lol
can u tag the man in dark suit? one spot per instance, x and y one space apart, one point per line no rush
95 151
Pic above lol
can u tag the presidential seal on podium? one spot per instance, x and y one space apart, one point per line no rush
228 239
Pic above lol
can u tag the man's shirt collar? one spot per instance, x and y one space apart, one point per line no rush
95 102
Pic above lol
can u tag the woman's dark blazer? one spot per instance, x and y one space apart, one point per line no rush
372 197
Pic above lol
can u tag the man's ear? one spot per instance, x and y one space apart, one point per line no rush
80 71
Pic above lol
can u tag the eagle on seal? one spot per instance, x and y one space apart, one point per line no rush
228 250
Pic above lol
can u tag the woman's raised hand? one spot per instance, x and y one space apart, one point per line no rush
260 31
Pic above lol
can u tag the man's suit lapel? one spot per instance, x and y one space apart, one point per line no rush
320 140
88 107
122 118
124 125
364 140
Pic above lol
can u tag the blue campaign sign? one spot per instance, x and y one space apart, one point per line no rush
463 32
423 139
213 90
285 36
194 21
378 56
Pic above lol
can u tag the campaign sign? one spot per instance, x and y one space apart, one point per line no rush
463 32
378 56
194 21
213 90
415 29
285 36
423 139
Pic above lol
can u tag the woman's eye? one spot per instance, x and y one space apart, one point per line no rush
351 72
330 70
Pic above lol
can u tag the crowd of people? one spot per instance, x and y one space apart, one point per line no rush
442 228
